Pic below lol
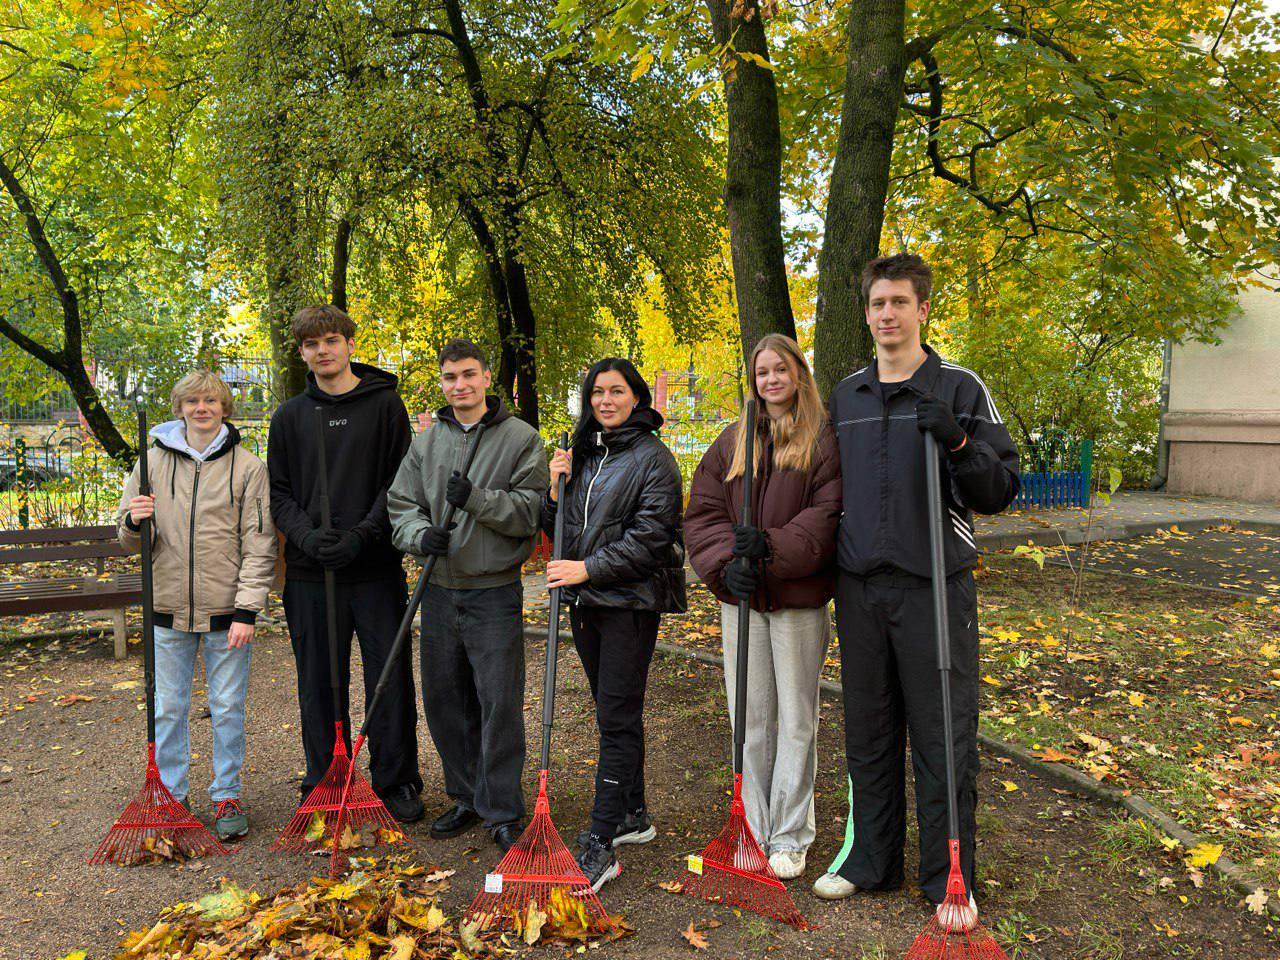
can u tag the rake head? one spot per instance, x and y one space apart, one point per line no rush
733 870
954 933
538 872
155 826
341 813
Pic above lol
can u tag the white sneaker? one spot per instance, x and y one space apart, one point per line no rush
958 918
832 886
787 864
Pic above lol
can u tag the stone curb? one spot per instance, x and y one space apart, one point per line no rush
1064 776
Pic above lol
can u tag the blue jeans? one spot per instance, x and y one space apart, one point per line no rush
227 678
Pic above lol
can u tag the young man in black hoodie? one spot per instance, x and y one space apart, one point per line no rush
884 614
366 435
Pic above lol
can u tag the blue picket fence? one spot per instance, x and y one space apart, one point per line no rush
1061 476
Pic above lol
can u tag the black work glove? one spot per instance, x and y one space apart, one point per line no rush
340 549
435 541
741 578
934 416
312 541
750 542
457 490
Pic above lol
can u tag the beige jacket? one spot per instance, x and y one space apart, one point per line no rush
215 546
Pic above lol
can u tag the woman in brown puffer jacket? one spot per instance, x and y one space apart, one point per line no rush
789 581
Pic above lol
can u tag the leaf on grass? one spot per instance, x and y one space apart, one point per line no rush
694 938
1204 854
1050 755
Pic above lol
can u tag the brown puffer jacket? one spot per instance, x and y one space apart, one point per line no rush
215 547
798 511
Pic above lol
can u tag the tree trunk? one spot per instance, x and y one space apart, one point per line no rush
523 339
753 180
506 375
877 64
69 361
289 372
341 260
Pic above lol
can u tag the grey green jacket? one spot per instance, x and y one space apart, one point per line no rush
495 529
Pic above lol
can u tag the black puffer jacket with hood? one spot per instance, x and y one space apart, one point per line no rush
624 518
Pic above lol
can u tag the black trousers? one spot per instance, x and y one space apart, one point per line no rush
891 686
616 647
372 610
473 693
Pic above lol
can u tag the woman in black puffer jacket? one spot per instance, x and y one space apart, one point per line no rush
623 566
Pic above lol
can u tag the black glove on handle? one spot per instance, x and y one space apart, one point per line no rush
458 490
435 542
934 416
339 548
741 578
750 542
312 542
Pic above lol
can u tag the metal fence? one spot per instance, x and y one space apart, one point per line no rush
1057 471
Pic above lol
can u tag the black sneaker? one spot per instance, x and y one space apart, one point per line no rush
599 863
403 803
635 828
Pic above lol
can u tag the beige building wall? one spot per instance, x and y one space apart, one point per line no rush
1223 424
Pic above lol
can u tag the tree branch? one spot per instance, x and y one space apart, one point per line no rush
36 349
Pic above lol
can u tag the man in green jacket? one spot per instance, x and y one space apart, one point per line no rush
472 633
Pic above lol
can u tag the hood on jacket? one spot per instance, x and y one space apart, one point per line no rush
372 379
495 412
643 420
172 435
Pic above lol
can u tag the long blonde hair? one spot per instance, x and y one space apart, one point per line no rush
795 434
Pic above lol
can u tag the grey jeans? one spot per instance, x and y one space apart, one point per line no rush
784 661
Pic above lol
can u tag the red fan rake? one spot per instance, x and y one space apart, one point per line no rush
733 869
154 825
953 933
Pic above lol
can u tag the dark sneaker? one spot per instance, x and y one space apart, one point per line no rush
457 819
599 863
506 835
635 828
403 803
230 822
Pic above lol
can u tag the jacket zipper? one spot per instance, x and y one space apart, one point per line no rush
258 502
586 507
191 556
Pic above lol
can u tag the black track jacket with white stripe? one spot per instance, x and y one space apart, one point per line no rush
885 524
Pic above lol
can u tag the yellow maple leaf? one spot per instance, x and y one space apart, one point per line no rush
1204 854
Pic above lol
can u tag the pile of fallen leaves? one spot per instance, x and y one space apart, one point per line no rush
383 910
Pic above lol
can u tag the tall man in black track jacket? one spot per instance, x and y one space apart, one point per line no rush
884 612
366 435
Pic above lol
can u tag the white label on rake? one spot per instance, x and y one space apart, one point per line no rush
493 883
695 864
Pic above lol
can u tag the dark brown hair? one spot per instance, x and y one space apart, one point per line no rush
900 266
319 319
462 349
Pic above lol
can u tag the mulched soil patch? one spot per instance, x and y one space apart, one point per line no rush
1060 877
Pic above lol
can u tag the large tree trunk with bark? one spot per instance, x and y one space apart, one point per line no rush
877 64
68 361
341 261
753 179
289 372
526 371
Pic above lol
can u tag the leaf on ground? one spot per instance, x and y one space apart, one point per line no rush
1009 786
694 937
401 948
530 923
1051 755
671 886
1204 854
231 901
1257 902
315 828
427 917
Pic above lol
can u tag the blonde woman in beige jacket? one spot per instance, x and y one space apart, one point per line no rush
214 560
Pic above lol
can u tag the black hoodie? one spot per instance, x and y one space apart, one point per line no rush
366 435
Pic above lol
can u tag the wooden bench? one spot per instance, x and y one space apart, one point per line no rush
99 591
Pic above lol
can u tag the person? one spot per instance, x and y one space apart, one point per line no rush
366 432
472 631
622 566
783 563
884 608
214 555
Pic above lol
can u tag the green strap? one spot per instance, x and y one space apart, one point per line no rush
843 855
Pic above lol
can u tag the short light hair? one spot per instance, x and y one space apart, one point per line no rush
202 383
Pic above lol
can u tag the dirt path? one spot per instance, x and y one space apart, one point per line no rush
1060 878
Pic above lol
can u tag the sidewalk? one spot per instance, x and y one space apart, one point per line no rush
1131 513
